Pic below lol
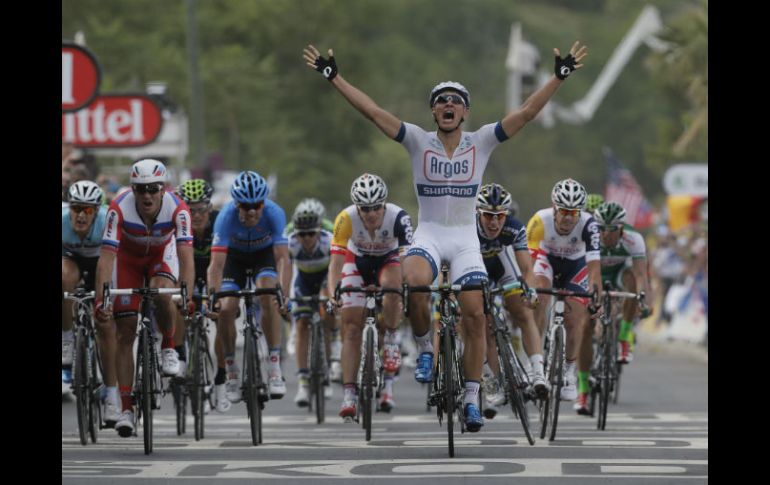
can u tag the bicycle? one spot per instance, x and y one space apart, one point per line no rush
605 369
448 379
200 366
319 370
513 377
253 384
86 366
369 368
554 349
148 390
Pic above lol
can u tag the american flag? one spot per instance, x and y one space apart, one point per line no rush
622 188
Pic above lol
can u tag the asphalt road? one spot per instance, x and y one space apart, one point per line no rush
657 433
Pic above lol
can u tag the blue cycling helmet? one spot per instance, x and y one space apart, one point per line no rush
249 188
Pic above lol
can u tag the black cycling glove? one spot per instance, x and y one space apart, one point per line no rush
327 67
564 67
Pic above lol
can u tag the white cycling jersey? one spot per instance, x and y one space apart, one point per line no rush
446 189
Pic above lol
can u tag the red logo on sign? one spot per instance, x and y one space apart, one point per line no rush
80 76
113 121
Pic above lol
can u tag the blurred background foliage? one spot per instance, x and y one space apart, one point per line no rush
266 111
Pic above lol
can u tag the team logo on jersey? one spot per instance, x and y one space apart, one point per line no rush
385 233
437 168
451 190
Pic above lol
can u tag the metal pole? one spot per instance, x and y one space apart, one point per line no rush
196 90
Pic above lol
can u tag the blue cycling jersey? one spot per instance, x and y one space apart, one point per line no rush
91 245
230 234
513 234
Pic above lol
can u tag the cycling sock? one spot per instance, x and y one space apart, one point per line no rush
303 376
487 371
230 365
67 335
168 337
125 398
582 382
221 376
388 384
181 351
112 395
536 363
391 336
350 392
274 362
471 393
424 342
625 329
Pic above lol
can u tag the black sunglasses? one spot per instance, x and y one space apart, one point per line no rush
306 233
445 98
370 208
248 207
147 188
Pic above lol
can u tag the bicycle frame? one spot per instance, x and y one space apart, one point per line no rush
147 372
448 378
86 384
369 367
253 385
319 376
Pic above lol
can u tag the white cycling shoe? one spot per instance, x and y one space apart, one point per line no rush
220 395
169 362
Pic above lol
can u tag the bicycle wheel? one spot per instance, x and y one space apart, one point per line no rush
450 400
514 385
147 389
367 379
556 379
251 386
604 385
544 403
179 405
317 371
198 379
80 385
94 395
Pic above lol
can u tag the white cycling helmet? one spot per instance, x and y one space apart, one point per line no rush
368 189
86 192
568 194
450 86
308 214
148 171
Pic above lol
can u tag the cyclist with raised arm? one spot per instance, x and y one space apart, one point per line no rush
447 169
564 242
506 257
370 238
197 193
248 234
82 225
310 252
147 241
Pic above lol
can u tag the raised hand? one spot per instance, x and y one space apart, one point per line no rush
565 67
313 58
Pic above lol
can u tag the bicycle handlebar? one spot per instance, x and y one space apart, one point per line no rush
276 291
561 292
79 295
310 299
445 288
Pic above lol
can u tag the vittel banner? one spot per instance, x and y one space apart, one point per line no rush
113 121
80 76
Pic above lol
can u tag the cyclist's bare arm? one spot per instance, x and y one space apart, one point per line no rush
639 270
283 266
186 266
335 269
385 121
515 120
524 260
215 271
104 271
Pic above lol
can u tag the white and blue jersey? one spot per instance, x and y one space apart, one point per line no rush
231 235
498 253
71 242
446 188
